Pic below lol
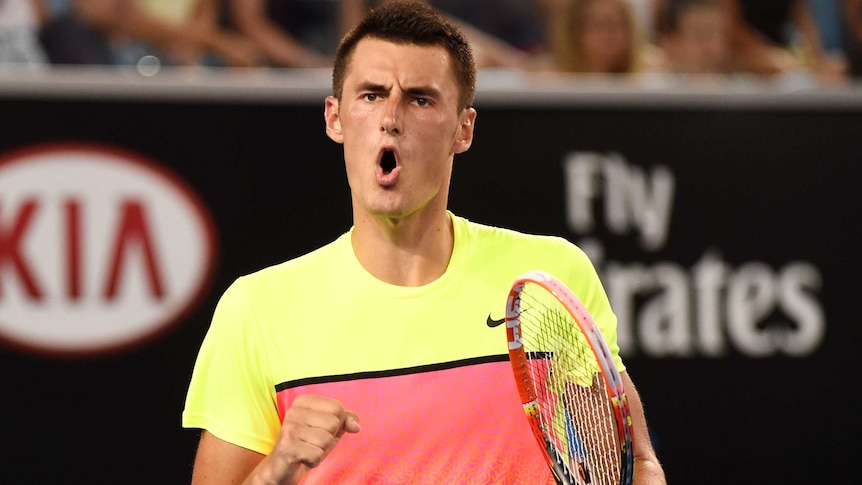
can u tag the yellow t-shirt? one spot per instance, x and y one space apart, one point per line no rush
428 376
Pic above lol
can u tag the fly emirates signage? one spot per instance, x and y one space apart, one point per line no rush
668 309
101 249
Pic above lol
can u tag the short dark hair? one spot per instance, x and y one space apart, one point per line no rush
410 22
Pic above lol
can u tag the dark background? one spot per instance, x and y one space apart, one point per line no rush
771 182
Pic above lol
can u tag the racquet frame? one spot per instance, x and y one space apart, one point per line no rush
519 357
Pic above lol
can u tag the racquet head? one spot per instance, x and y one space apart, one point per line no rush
570 388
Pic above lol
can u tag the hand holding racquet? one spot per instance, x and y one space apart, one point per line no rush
570 388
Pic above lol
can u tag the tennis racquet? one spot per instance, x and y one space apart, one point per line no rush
570 388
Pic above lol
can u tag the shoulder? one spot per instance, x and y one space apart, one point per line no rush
494 237
512 252
298 270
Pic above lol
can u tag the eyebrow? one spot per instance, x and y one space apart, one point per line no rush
422 92
368 86
419 91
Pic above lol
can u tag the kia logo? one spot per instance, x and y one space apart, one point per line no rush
101 249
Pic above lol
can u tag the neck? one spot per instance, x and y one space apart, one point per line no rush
404 251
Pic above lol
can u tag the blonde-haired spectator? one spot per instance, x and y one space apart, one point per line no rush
596 36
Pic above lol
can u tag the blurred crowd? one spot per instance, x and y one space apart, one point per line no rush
822 38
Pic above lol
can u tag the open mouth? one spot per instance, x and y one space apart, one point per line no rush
387 161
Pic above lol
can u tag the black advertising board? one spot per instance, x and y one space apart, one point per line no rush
724 228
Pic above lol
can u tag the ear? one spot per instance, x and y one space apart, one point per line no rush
464 137
333 122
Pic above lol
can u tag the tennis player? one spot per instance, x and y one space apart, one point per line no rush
396 323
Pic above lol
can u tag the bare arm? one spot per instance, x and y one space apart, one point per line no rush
311 429
123 17
488 50
280 47
803 20
753 52
648 469
185 42
235 49
220 462
828 68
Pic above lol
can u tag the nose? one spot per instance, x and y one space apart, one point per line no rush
391 120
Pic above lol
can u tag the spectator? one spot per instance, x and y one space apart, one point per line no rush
694 36
503 33
778 36
123 31
304 33
294 33
68 38
595 36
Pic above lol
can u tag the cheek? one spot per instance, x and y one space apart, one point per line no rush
432 130
437 174
359 118
358 131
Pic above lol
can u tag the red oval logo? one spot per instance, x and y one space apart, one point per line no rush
101 249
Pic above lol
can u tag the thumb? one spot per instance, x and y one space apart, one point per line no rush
351 422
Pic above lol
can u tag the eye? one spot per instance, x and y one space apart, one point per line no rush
370 96
422 102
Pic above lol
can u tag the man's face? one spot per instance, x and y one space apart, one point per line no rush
400 124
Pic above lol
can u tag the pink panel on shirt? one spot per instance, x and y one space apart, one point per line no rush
463 425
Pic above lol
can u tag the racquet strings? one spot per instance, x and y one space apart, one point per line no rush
571 392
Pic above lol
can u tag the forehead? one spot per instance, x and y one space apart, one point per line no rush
383 62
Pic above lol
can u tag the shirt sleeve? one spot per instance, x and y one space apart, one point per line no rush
229 394
584 281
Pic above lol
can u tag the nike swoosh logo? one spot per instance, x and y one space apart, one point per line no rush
494 323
